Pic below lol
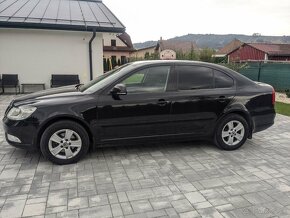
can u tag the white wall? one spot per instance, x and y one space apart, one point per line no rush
109 36
36 54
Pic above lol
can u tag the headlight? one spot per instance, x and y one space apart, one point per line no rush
20 113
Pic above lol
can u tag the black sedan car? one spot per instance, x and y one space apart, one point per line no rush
150 101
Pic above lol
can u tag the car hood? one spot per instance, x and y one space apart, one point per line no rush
66 91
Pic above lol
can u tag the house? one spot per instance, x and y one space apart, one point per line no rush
175 45
228 48
165 45
40 38
140 54
117 49
260 51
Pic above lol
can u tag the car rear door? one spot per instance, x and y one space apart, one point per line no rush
143 113
197 104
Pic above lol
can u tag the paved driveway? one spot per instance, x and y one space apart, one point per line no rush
163 180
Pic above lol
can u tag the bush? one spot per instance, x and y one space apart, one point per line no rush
235 66
287 91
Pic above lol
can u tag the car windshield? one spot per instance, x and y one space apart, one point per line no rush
97 83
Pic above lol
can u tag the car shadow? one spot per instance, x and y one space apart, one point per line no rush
152 147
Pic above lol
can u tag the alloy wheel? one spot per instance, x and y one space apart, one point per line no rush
65 144
233 132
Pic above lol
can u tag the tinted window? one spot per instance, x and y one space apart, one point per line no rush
152 79
193 77
222 80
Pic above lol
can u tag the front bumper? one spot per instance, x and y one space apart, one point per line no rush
23 130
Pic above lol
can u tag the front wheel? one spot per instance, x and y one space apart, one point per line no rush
64 142
232 132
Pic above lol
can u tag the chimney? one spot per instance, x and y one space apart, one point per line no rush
160 38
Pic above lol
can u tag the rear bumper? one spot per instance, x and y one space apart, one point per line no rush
262 122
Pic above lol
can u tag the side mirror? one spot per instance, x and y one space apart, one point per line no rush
119 89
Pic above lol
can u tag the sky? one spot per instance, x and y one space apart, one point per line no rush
151 19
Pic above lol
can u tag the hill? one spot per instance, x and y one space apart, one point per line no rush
218 41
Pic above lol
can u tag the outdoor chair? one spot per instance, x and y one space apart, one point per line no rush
10 81
58 80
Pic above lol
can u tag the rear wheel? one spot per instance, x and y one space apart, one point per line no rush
64 142
232 132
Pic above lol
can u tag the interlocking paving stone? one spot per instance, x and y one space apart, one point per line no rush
141 206
192 179
12 209
182 205
194 197
34 209
77 203
101 211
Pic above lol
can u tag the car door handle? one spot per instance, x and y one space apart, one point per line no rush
162 102
222 98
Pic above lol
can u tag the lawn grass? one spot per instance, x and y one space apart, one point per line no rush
282 108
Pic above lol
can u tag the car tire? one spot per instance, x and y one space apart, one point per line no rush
64 142
231 132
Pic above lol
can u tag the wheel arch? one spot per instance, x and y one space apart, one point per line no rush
64 118
243 112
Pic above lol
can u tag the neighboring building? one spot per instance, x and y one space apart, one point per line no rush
175 45
140 54
167 55
228 48
260 51
117 49
162 45
40 38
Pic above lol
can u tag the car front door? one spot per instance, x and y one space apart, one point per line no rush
144 112
196 104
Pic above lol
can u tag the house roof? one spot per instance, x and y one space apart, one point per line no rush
125 37
272 49
175 45
77 15
228 48
145 48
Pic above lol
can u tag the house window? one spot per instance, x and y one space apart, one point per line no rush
123 60
113 43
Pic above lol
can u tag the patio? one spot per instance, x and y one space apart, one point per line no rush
165 180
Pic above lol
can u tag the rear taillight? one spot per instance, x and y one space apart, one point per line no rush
273 96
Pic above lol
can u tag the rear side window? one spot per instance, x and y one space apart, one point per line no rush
222 80
194 77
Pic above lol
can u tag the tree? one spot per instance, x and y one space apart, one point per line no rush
105 65
206 55
192 54
147 56
180 55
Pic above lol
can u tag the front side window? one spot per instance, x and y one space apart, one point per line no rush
153 79
194 77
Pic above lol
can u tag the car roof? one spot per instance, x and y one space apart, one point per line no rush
153 62
242 80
